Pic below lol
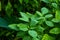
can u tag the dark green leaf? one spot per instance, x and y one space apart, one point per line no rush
0 6
27 38
21 1
3 23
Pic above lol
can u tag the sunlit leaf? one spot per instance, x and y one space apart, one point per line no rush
13 26
47 37
54 5
44 10
57 15
48 16
55 31
49 23
55 20
24 17
32 33
40 14
23 27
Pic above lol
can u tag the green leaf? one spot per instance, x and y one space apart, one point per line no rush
54 5
9 9
23 27
57 15
24 17
48 16
20 34
47 37
32 33
44 10
35 39
0 5
40 36
55 31
40 14
56 1
21 1
40 29
49 23
3 23
55 20
29 15
41 20
33 21
46 1
26 1
13 26
27 38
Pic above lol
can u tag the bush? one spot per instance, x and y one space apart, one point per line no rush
30 19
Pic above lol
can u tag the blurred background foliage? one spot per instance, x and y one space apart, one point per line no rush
10 12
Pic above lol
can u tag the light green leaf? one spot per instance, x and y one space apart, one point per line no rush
24 17
33 21
32 33
20 34
13 26
40 14
48 16
57 15
49 23
35 39
54 5
29 15
47 37
55 20
55 31
23 27
44 10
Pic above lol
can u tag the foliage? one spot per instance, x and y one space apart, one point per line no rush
30 19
